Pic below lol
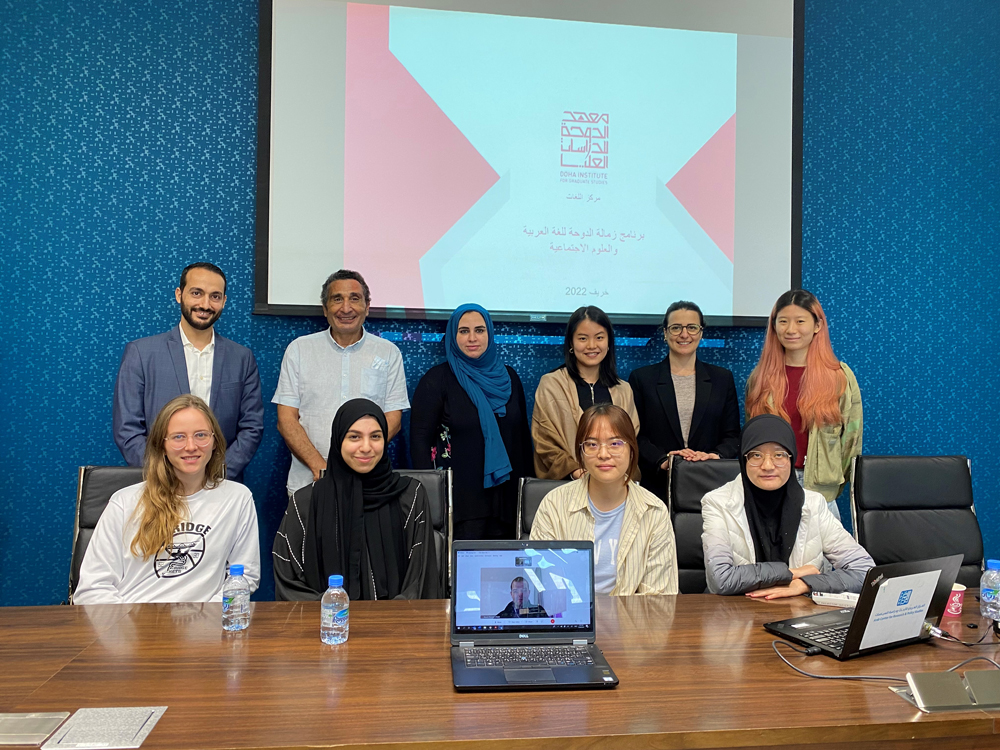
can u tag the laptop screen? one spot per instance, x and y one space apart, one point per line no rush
523 589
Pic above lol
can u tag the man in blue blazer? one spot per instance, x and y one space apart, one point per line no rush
191 359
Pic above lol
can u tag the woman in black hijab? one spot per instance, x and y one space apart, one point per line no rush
361 520
765 536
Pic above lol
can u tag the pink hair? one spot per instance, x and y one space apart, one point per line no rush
823 382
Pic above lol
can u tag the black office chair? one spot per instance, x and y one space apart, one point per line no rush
687 484
437 483
530 492
915 508
94 489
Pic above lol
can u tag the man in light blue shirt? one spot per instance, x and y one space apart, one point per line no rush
321 371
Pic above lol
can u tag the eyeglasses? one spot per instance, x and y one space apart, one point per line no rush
179 439
615 447
693 328
779 459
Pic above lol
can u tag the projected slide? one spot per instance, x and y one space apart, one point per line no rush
527 164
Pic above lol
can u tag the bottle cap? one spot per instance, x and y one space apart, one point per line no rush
237 570
993 564
339 580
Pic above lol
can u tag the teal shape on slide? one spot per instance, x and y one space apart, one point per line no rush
506 83
505 80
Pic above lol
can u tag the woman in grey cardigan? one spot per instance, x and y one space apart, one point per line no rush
766 537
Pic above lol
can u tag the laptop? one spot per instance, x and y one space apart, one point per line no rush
522 616
896 604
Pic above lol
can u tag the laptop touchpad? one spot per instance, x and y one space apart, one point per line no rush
516 676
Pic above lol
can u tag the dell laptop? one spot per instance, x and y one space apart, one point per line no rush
523 617
896 603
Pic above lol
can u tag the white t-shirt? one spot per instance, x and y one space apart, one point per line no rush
318 375
221 528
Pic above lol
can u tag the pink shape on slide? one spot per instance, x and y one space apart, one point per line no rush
706 187
409 173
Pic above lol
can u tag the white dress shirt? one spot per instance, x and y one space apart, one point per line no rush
199 366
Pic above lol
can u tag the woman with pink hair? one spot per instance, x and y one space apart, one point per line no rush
800 379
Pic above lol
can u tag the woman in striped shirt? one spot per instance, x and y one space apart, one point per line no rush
634 549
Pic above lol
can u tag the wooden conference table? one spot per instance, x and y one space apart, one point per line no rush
696 671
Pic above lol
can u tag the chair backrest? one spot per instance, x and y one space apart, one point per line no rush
529 496
687 484
437 483
95 487
908 508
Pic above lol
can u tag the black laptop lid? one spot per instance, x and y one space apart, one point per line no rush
879 576
522 591
895 603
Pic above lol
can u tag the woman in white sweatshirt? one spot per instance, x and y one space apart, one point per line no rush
171 537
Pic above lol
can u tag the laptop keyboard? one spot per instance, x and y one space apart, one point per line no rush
831 637
506 656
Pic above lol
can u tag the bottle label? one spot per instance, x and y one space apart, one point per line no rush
327 614
988 595
341 618
235 604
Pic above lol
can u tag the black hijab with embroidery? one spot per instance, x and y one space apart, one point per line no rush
355 523
773 515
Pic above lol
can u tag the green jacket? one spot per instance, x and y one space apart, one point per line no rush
831 447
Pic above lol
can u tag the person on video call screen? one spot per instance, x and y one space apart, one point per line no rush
520 601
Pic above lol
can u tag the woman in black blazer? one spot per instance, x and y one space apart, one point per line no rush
686 407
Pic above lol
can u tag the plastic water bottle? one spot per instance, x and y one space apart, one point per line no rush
235 600
989 586
334 612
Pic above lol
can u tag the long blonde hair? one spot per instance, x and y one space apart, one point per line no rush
163 504
823 382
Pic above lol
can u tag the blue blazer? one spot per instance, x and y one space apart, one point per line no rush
153 372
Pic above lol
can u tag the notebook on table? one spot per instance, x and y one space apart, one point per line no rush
523 616
896 604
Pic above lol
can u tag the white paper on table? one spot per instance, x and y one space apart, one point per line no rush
900 607
106 728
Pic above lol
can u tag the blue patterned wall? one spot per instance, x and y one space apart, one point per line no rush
128 150
901 220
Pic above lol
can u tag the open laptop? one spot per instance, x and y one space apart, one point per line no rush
896 602
522 616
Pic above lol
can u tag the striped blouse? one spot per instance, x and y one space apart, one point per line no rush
647 558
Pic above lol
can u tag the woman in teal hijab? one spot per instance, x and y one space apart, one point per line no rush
469 415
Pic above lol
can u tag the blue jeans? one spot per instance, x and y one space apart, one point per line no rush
832 504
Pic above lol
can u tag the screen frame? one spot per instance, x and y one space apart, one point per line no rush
261 305
526 635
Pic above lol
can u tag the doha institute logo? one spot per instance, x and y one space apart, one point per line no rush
584 140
